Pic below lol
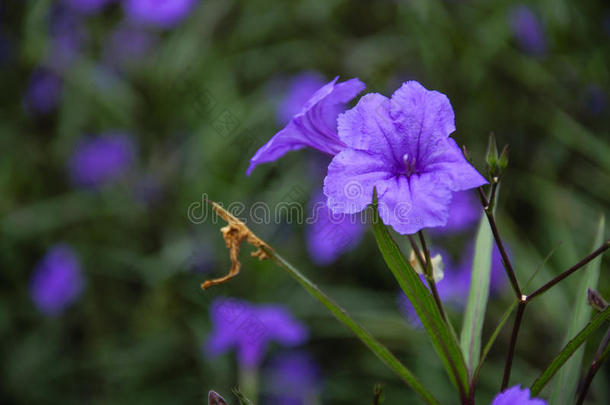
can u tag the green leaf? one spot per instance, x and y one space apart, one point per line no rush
573 345
472 327
443 340
566 382
364 335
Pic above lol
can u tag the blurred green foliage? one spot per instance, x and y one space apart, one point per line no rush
199 104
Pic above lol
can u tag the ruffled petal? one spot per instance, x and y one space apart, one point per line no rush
447 158
315 126
369 127
409 204
351 177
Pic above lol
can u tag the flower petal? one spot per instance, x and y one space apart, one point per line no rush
422 112
315 126
351 177
411 203
448 158
369 127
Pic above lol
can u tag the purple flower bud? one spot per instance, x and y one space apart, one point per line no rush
44 92
158 13
101 159
528 30
57 281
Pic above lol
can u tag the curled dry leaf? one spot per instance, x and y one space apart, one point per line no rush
234 234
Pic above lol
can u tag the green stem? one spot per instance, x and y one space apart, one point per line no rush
365 336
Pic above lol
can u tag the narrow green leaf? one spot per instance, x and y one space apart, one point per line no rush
566 382
364 335
444 342
472 326
597 321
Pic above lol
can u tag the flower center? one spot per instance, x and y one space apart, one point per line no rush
409 162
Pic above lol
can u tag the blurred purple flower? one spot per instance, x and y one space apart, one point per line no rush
315 125
126 45
158 13
57 281
516 396
330 235
86 6
44 91
402 147
101 159
528 30
453 288
464 212
293 378
300 89
249 329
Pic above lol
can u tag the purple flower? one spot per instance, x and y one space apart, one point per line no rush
527 30
329 235
158 13
86 6
44 91
401 147
315 125
250 328
516 396
57 281
293 378
300 89
102 159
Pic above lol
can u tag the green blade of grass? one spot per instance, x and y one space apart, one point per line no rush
444 342
566 382
472 326
569 349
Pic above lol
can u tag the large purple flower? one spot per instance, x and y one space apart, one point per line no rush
401 147
102 159
315 126
328 234
528 30
250 328
516 396
57 281
159 13
300 89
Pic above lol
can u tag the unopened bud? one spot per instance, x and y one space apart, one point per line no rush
596 300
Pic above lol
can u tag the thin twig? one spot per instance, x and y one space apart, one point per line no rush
430 274
508 267
571 270
597 361
513 343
